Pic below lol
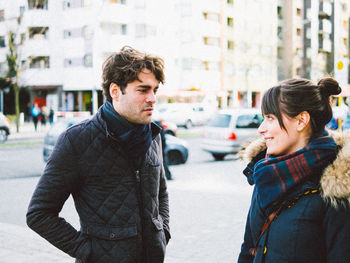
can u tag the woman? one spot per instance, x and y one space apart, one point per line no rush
300 208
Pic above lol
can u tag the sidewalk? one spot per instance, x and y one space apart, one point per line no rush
27 131
19 245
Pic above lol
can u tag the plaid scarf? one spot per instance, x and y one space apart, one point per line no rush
275 175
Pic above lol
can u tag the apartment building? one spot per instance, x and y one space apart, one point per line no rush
64 43
313 37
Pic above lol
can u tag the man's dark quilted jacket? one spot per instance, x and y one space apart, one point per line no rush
123 211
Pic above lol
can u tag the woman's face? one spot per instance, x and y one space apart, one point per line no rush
278 140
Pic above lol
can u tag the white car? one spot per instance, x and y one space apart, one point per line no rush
4 128
183 114
228 130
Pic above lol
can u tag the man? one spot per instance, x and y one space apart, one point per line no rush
112 166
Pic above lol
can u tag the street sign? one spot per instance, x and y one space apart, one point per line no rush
341 71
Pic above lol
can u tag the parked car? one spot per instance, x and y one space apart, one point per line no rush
168 127
228 130
4 128
176 148
183 114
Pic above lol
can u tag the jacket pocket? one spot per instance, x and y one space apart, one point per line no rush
107 232
158 223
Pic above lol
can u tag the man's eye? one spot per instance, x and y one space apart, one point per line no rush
142 90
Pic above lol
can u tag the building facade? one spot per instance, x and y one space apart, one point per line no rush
225 52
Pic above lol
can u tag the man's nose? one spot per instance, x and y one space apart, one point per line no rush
151 97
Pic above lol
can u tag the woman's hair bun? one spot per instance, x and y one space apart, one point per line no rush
329 86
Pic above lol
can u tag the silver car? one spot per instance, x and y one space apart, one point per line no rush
228 130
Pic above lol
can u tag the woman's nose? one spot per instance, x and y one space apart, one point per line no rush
262 128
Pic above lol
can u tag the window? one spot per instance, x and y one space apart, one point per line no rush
230 45
88 60
68 62
298 12
40 62
21 10
205 65
23 38
211 16
187 63
140 30
230 21
38 32
75 4
211 41
279 12
124 29
249 121
230 2
23 64
279 32
35 4
122 2
2 41
279 52
2 15
298 32
345 40
230 69
220 120
140 3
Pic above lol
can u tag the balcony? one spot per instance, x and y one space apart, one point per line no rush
325 26
325 10
325 45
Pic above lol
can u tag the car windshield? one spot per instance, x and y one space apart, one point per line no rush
220 120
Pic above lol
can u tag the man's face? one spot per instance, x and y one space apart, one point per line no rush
136 104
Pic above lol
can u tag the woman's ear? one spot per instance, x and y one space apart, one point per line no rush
114 91
303 120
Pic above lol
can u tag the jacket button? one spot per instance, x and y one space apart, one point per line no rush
111 235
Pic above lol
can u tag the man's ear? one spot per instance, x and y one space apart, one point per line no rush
114 91
303 120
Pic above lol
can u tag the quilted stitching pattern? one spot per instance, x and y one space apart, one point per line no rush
105 195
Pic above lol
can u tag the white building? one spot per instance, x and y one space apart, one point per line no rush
225 49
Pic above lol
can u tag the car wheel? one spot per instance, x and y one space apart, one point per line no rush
174 157
218 157
3 136
188 124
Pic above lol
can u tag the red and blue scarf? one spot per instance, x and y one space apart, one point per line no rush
274 176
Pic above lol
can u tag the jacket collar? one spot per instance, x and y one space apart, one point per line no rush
335 180
102 125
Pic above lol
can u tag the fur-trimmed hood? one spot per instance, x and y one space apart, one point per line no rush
335 180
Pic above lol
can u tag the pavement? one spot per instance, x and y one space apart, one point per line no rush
20 244
27 132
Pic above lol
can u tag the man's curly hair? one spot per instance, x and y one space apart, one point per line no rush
124 67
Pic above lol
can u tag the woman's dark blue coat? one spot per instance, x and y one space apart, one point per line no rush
316 229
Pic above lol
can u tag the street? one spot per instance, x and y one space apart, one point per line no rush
208 201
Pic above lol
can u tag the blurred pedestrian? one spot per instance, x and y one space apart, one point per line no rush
111 165
35 113
165 156
43 116
300 208
51 115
